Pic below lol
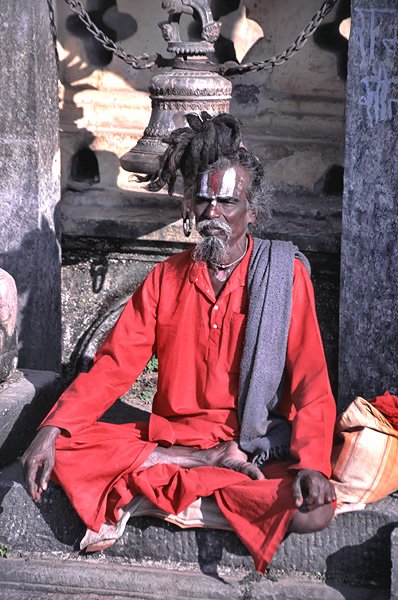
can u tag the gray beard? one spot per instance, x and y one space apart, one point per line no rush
212 249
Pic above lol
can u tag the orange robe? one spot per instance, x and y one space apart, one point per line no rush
199 341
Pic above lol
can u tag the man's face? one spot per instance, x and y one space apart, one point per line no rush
220 204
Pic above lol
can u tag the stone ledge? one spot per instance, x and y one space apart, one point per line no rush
311 222
61 579
25 399
354 548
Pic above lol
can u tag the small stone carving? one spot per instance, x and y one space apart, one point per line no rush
211 31
8 325
171 29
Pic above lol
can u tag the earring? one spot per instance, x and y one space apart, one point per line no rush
187 222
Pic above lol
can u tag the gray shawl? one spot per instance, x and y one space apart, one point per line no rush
264 433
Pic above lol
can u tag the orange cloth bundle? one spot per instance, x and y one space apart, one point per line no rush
364 457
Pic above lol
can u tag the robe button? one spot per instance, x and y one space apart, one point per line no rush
216 307
215 326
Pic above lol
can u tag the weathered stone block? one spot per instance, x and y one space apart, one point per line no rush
30 578
25 399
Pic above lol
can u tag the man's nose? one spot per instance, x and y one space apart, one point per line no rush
213 210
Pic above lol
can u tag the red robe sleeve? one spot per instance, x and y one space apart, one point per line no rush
307 389
118 362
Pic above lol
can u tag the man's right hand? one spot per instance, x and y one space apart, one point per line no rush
229 456
39 459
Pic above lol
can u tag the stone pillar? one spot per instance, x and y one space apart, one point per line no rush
29 167
394 564
369 270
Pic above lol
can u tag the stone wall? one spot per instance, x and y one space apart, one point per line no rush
293 116
29 165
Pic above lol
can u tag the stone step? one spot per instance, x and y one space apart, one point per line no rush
54 579
355 548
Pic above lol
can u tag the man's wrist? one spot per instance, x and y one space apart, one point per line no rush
51 431
307 471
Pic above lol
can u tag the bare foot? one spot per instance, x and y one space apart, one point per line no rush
228 456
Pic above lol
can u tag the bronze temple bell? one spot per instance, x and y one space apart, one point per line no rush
188 85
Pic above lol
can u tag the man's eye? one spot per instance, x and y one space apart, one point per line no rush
227 201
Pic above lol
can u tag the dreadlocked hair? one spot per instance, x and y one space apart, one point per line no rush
209 143
192 149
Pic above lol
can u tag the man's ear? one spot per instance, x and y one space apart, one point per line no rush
253 213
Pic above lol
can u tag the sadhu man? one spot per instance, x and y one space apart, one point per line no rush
243 409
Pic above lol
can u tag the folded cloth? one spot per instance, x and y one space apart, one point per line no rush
108 534
388 406
203 512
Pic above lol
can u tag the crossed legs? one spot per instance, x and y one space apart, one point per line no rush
228 455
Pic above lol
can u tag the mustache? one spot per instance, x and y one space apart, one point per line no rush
211 249
208 226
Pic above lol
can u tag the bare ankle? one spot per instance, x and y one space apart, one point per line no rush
177 455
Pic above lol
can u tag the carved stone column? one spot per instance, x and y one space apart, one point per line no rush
369 270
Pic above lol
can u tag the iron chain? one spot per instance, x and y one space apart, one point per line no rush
279 59
228 70
53 29
143 61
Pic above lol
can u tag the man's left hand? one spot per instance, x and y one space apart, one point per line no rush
311 489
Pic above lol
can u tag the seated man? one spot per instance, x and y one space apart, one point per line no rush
243 409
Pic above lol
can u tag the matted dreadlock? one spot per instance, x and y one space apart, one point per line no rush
209 142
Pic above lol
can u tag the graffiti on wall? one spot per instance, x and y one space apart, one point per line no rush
376 31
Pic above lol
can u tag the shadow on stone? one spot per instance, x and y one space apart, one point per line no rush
61 518
212 546
35 266
49 526
54 508
366 563
149 538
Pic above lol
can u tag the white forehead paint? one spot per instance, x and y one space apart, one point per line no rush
203 184
228 183
219 183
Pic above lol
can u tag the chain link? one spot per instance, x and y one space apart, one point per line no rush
228 70
53 30
279 59
143 61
